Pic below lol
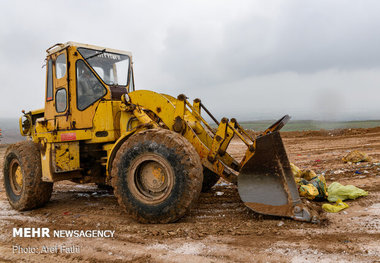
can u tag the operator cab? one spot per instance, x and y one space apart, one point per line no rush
79 77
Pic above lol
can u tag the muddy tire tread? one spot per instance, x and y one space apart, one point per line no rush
35 192
189 159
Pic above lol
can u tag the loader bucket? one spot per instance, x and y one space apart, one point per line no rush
266 184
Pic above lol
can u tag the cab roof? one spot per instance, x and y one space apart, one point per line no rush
59 46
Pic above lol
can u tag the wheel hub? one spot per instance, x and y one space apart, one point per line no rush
16 177
151 178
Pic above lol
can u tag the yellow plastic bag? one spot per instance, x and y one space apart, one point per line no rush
356 157
309 191
337 191
338 206
295 170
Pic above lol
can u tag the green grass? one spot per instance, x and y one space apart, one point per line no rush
312 125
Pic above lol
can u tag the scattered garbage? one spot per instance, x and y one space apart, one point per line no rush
310 185
337 191
356 157
219 193
338 206
313 187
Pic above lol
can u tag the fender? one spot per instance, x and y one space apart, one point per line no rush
116 146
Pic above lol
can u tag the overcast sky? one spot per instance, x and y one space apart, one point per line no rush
246 59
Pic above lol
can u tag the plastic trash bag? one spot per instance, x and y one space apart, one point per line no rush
338 206
337 191
356 157
295 170
310 185
300 181
320 183
309 191
315 189
308 174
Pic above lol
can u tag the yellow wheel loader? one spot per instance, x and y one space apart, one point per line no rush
156 151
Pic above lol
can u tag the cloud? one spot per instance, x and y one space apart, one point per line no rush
302 37
252 60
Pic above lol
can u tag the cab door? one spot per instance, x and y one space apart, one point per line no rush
61 93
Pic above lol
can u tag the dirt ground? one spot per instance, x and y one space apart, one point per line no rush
220 228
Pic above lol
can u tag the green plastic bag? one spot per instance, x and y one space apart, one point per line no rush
338 206
337 191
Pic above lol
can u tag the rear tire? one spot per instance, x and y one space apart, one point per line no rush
209 179
157 176
22 177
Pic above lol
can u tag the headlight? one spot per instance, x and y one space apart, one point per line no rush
125 98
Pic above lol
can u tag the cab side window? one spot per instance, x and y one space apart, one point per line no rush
60 66
49 84
60 100
89 88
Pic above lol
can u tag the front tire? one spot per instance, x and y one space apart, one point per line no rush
157 176
22 177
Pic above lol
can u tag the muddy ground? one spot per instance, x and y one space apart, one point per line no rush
220 228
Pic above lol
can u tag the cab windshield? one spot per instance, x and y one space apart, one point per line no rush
112 68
